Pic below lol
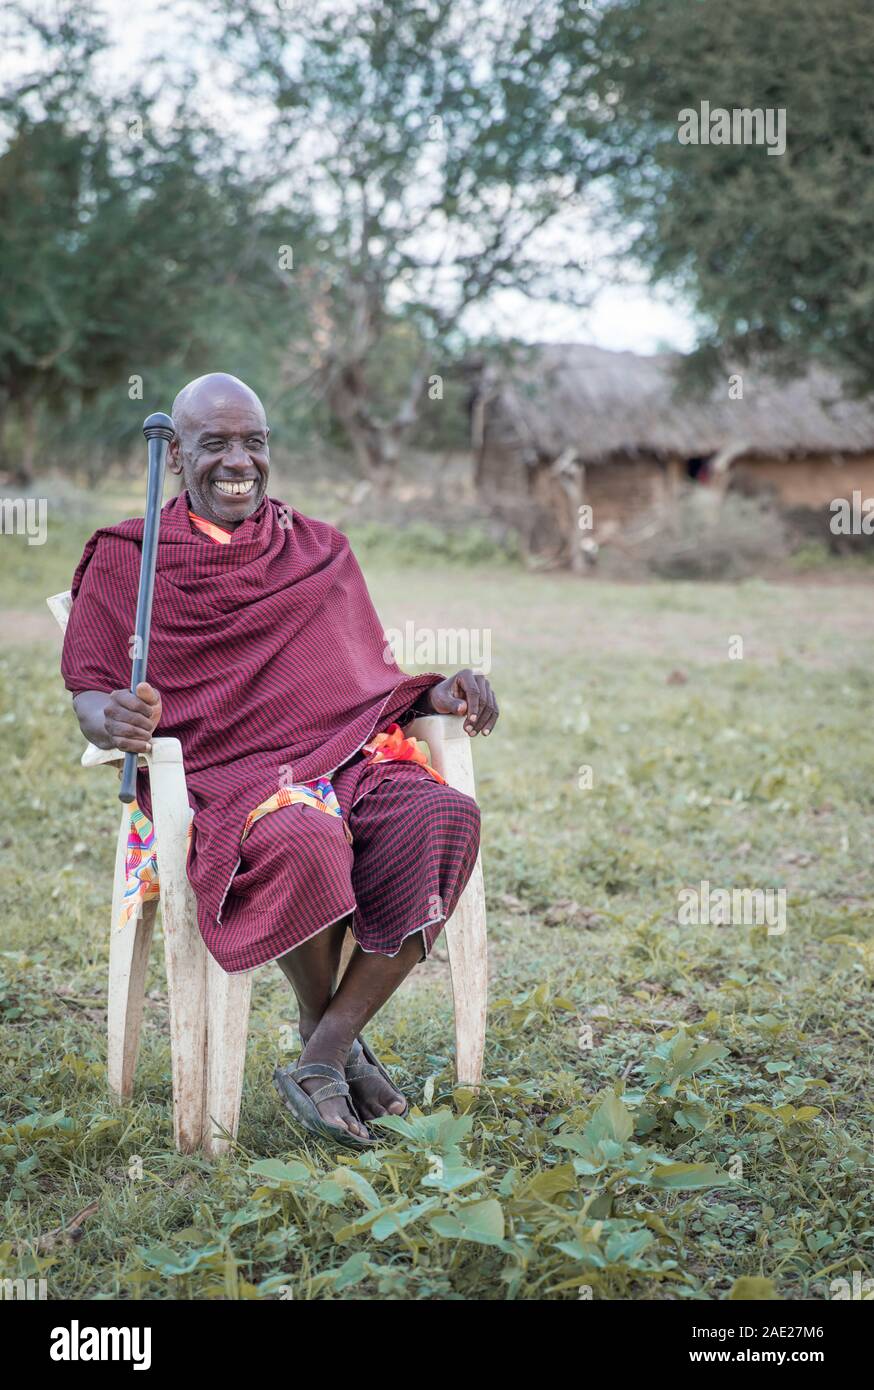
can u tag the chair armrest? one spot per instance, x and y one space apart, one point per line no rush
93 756
437 725
164 750
449 746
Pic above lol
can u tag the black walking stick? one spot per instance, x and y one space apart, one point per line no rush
158 429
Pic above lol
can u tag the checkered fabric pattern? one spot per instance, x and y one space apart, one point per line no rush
414 845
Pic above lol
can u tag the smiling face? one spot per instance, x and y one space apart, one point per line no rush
220 448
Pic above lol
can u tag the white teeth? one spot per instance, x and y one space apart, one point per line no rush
235 489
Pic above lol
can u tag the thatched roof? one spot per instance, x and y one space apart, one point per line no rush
601 403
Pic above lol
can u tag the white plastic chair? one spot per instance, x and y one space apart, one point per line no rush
209 1009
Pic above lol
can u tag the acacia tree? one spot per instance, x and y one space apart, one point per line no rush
775 251
114 230
429 143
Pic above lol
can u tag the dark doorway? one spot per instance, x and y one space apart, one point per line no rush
698 468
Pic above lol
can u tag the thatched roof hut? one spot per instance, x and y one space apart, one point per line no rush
560 425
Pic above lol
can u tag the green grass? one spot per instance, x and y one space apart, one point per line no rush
744 1055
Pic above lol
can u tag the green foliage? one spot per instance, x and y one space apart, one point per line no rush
421 541
775 251
710 1136
131 242
438 143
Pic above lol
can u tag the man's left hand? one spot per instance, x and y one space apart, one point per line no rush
468 694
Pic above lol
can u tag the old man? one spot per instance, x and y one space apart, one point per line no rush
312 811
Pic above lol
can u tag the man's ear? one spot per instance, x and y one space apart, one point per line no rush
174 462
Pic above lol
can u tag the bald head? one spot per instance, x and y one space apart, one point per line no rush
220 448
215 391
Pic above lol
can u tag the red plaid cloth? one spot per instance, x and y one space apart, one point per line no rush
414 845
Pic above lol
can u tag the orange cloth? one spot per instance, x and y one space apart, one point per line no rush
215 533
391 747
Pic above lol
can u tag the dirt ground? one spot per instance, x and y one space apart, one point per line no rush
681 623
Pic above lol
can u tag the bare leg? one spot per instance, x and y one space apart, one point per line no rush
311 970
370 980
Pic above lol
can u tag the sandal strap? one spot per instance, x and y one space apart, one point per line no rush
362 1065
311 1070
333 1088
363 1069
304 1107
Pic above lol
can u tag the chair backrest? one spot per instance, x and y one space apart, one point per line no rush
60 605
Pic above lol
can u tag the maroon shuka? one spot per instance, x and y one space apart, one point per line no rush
414 847
272 666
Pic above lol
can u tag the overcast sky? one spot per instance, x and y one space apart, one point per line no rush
621 316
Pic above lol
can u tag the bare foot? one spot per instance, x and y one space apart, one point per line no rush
336 1110
372 1093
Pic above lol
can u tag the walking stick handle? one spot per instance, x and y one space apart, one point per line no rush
158 429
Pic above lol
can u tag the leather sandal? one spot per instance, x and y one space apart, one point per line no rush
362 1063
304 1107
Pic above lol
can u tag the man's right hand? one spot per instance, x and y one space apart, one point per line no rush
129 720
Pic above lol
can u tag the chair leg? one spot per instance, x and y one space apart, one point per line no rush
465 932
128 964
227 1029
466 944
346 951
184 952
